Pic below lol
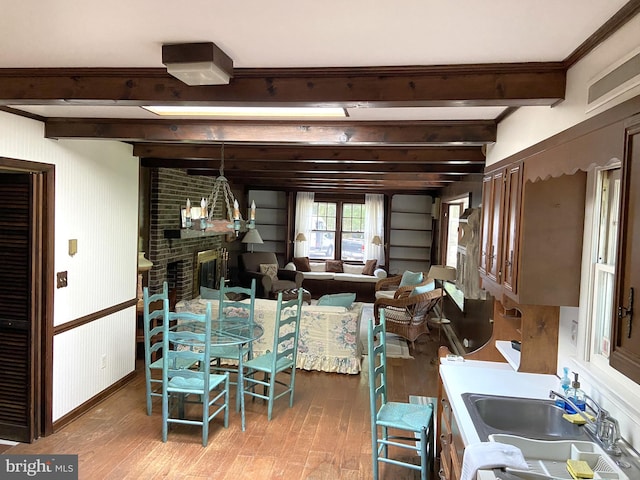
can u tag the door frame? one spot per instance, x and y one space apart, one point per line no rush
43 246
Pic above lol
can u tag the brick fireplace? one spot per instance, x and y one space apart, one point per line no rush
175 259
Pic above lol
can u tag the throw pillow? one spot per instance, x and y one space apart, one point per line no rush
317 266
420 289
334 266
337 300
270 269
352 269
410 278
370 267
302 264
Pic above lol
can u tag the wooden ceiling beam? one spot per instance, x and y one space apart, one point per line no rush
511 84
474 132
244 177
295 168
156 152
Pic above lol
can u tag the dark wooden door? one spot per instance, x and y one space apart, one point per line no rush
625 355
17 409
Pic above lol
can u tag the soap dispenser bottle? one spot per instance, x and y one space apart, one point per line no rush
576 395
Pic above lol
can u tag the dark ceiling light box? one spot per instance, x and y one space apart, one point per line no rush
198 63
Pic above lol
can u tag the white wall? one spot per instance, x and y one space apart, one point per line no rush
96 202
530 125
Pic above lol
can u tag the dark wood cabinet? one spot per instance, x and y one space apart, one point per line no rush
532 237
511 230
625 354
492 219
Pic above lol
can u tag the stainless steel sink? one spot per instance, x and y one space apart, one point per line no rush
531 418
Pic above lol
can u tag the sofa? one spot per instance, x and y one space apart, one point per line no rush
329 336
249 267
351 278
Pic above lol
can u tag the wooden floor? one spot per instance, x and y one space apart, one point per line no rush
326 435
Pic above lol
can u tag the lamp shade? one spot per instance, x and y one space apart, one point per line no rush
376 240
252 236
301 238
442 272
143 263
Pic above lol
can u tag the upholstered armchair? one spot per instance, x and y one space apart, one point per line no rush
406 315
266 284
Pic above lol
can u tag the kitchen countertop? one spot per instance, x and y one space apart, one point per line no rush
491 378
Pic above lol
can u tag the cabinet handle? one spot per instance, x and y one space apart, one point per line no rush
509 261
627 312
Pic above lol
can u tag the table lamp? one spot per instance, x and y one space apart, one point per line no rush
252 237
443 273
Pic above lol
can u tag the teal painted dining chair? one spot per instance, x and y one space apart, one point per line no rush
153 315
279 361
410 422
186 339
234 303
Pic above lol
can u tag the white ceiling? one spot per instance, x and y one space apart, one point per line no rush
279 33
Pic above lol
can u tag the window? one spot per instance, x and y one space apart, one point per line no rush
337 220
454 210
604 259
352 234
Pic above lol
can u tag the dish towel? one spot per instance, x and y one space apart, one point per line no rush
488 455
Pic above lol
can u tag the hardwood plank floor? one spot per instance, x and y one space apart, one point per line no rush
326 435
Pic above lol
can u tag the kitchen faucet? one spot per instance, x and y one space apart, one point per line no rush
605 428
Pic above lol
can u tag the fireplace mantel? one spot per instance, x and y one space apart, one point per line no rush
186 233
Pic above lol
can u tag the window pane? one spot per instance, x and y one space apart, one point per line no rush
604 263
352 245
322 241
603 303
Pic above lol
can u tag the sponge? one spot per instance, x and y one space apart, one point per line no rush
577 418
579 469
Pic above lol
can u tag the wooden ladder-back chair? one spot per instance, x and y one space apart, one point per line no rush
235 302
280 360
414 421
153 321
188 341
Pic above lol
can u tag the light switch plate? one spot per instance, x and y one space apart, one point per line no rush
73 246
61 278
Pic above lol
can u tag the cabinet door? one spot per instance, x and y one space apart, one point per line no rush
625 355
511 228
490 247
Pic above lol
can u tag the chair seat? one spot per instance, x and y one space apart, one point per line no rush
180 363
385 294
264 363
406 416
192 385
230 351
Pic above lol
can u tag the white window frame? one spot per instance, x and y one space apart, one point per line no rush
611 389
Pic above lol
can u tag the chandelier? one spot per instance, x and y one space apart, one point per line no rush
222 195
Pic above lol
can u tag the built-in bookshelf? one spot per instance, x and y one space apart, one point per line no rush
271 221
410 233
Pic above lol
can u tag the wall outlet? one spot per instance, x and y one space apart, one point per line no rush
103 361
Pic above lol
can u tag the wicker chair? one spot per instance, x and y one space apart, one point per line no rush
390 287
407 314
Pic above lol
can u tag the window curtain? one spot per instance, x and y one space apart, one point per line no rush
374 225
304 221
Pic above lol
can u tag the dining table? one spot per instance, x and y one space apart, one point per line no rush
231 330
